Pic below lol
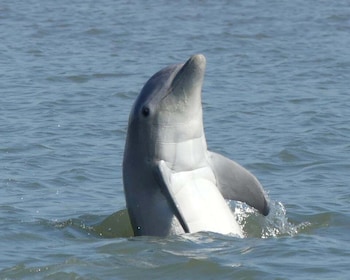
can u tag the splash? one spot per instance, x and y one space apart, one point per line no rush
274 225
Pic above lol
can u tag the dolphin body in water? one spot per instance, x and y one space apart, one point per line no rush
172 183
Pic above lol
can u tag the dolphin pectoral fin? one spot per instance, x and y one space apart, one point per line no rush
163 174
237 183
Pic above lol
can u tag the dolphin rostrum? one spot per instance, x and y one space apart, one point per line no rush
172 183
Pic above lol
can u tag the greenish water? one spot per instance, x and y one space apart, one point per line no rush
276 99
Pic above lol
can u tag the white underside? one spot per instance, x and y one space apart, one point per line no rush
201 204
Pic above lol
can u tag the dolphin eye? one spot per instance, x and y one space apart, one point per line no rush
145 111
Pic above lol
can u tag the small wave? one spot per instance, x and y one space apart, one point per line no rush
117 225
113 226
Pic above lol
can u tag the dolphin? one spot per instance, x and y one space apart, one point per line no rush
172 183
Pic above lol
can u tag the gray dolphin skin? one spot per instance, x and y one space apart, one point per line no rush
172 183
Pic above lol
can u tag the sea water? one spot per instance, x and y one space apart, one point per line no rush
275 99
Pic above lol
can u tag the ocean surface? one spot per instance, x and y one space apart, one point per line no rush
276 99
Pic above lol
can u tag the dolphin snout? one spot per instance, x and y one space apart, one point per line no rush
198 60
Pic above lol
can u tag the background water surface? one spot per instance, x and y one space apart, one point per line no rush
276 99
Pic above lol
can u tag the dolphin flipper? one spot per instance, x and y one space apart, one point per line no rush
237 183
163 176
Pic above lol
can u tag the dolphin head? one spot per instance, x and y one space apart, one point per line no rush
172 95
168 111
165 124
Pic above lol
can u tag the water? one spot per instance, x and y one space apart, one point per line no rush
276 99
